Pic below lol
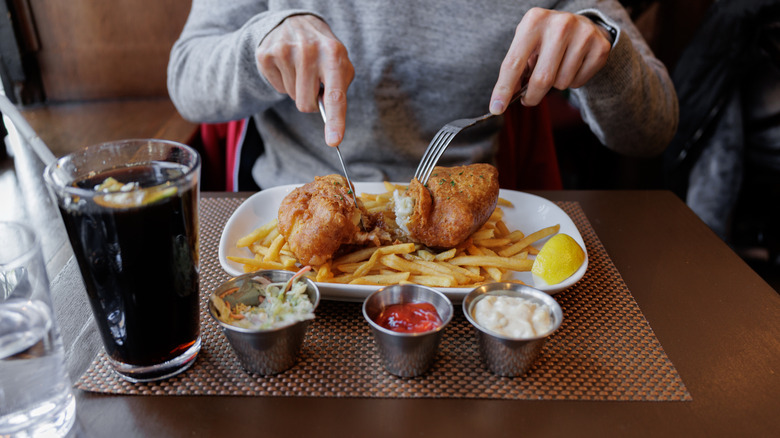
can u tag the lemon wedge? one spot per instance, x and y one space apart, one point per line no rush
559 258
135 197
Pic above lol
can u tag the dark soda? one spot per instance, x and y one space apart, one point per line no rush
140 265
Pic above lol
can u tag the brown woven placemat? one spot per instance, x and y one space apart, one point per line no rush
604 350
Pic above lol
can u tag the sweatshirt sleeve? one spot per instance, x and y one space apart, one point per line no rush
631 104
212 73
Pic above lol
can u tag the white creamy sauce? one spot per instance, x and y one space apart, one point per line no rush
513 317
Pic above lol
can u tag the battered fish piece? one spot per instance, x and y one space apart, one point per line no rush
456 202
318 218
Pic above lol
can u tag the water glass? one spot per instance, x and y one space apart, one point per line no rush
35 391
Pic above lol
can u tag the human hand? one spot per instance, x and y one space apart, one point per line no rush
561 49
299 55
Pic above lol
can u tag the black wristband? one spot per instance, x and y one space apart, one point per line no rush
611 30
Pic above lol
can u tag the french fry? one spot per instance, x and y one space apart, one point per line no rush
495 261
489 226
475 270
269 238
425 254
254 265
446 255
382 279
390 187
496 216
492 243
366 266
324 273
501 229
433 280
400 264
376 208
242 260
343 279
258 248
257 234
349 267
484 233
461 275
357 256
274 249
515 236
401 248
494 272
529 239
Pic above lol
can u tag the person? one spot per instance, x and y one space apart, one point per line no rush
724 160
393 73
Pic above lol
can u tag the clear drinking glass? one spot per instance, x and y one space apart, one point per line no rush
131 211
35 391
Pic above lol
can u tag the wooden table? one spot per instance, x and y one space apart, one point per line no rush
717 320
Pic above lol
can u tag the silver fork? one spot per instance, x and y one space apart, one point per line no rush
442 139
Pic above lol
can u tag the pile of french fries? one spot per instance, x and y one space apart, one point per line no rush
489 254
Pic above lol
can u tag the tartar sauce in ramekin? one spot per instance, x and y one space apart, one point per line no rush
513 317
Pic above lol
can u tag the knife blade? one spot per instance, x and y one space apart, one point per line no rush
341 160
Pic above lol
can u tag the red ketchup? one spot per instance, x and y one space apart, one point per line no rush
409 317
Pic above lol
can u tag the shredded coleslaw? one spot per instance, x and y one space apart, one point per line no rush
276 309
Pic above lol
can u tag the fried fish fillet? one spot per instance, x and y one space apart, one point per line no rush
318 218
456 202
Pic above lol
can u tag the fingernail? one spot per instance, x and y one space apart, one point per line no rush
331 137
497 107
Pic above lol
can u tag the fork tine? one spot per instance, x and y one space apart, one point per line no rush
439 150
427 160
446 139
442 140
445 135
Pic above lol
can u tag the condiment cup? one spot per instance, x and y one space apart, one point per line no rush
406 354
507 356
271 351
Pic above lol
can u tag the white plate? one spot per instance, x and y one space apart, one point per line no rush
528 214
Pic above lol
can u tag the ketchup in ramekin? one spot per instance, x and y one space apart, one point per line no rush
409 318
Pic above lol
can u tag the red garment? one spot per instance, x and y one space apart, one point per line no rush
220 144
526 157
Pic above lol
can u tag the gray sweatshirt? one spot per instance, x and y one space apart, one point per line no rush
418 65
